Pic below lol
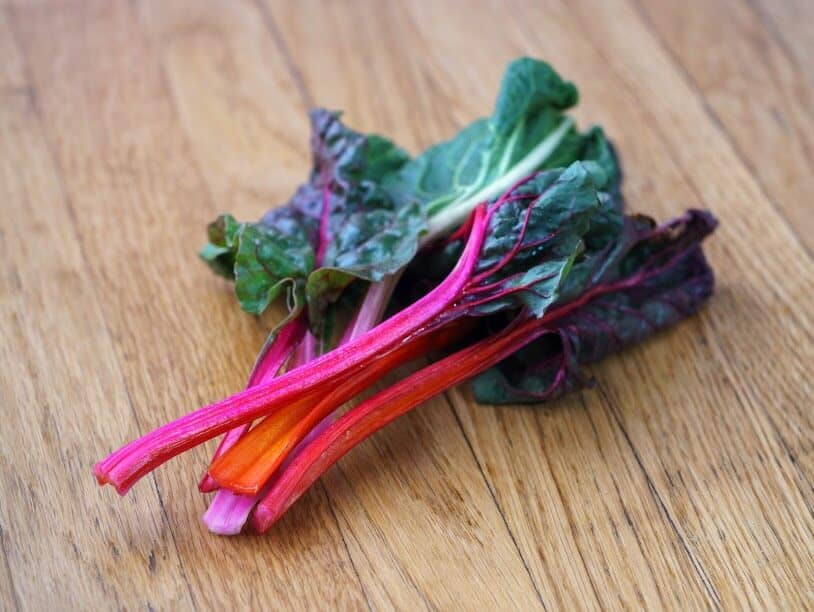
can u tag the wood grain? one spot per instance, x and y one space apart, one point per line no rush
762 404
11 68
757 92
790 24
684 480
55 525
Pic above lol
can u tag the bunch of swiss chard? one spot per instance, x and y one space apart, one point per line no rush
526 265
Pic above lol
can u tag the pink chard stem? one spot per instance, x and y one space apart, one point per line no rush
269 363
127 465
339 437
228 512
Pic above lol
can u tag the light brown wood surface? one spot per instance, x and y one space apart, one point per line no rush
685 480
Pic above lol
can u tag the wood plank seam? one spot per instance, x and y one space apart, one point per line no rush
776 34
651 485
66 200
131 404
794 467
293 69
716 121
491 489
697 565
569 514
207 189
725 363
691 184
345 545
381 537
690 81
107 332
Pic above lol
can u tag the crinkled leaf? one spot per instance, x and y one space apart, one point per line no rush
261 260
527 131
338 226
363 234
670 279
370 246
536 233
220 251
299 218
266 264
347 169
543 227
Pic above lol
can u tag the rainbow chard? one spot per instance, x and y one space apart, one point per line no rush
296 249
543 251
648 278
519 258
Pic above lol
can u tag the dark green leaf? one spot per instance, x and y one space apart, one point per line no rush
533 243
268 263
220 251
363 234
338 226
665 279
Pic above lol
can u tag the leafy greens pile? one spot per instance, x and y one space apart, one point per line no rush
529 267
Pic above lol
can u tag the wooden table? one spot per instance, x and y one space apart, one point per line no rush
684 480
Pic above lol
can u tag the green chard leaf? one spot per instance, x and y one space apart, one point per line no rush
268 262
370 246
539 239
527 131
656 276
339 226
221 249
542 229
261 260
363 234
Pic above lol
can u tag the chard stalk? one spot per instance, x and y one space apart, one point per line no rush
443 221
229 510
269 363
127 465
